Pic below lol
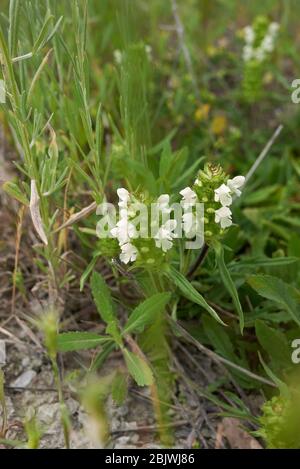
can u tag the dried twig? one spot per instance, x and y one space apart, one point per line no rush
77 216
202 412
198 261
264 153
145 428
11 335
186 53
18 241
217 358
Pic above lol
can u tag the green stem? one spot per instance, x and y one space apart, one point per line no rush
61 401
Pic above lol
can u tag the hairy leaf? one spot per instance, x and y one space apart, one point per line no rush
276 290
146 312
119 388
68 341
191 293
102 298
273 342
138 369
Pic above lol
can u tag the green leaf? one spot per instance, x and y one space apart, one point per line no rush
69 341
12 443
113 330
105 307
43 34
294 245
273 342
221 341
219 338
42 41
87 272
119 388
281 385
130 168
165 159
262 195
147 312
276 290
191 293
102 298
263 262
183 178
138 368
14 15
100 358
228 282
14 191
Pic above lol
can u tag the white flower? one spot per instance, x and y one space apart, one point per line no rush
222 195
123 213
148 50
223 216
247 53
266 46
235 183
165 235
189 223
259 54
273 28
163 203
249 34
118 56
123 231
129 253
268 43
124 197
189 196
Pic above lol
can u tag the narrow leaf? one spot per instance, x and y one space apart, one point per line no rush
119 388
147 312
14 10
69 341
43 34
102 298
281 385
87 272
191 293
228 282
100 358
14 191
273 342
138 369
263 262
37 75
276 290
219 338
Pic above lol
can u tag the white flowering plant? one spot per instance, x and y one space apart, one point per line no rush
260 41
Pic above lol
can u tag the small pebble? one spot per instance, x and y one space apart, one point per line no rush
24 379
